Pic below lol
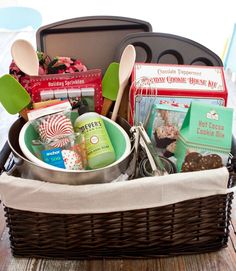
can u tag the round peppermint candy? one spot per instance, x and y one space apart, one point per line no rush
56 129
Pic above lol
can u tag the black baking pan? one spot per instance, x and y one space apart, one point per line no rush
168 49
91 39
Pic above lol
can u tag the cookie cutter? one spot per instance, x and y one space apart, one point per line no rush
142 138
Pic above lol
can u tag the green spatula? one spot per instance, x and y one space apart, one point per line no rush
110 87
13 96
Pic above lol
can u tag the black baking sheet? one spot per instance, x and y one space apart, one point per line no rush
91 39
168 49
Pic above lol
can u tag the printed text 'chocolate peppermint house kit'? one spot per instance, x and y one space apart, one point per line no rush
175 84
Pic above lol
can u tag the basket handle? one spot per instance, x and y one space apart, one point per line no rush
233 146
4 155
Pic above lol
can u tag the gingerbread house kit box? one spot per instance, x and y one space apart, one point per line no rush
205 138
174 84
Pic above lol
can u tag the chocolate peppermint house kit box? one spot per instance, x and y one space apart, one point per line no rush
205 138
174 84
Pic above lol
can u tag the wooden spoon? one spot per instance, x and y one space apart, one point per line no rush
25 57
126 66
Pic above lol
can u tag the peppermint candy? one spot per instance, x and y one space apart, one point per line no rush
56 129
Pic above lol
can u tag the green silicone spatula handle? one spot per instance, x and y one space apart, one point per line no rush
126 66
25 57
107 103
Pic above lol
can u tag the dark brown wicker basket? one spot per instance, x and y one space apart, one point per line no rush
193 226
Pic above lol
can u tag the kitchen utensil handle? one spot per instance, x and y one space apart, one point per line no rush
4 154
107 103
151 149
23 113
118 101
123 109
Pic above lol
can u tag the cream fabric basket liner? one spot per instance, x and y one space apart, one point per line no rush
38 196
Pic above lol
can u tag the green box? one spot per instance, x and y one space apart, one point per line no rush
207 130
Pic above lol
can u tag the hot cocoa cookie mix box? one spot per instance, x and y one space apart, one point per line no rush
205 138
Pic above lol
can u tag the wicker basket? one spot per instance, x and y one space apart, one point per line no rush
192 226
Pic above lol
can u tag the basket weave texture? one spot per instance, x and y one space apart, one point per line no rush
192 226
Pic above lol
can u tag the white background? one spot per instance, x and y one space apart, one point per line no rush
205 21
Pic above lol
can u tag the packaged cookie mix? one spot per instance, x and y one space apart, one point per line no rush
205 138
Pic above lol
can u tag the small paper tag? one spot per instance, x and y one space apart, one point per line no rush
37 113
53 157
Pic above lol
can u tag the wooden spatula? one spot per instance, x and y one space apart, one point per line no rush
110 86
13 96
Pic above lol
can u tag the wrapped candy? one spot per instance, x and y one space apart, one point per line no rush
55 127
